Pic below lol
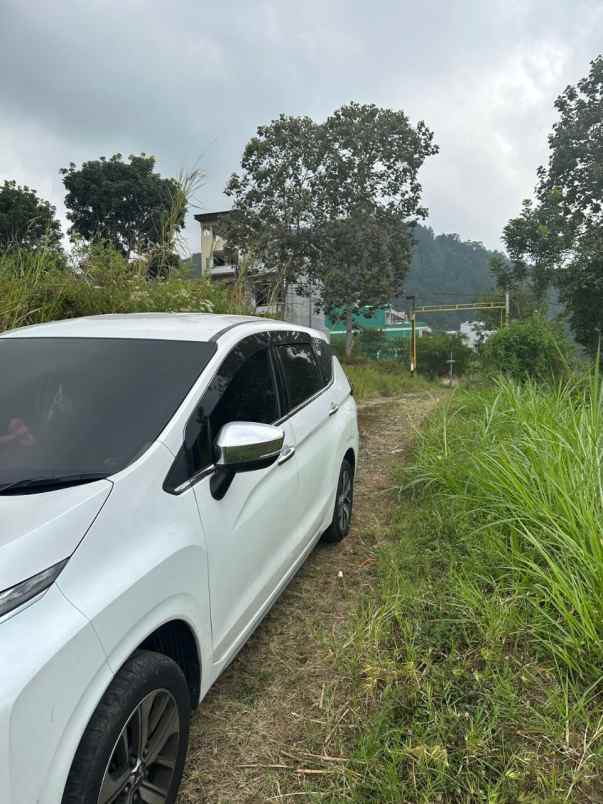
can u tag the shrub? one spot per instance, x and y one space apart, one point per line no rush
433 354
35 288
373 342
530 348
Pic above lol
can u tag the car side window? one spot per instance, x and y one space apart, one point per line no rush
302 375
243 389
250 396
324 355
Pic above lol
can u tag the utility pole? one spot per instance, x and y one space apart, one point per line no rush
413 335
507 307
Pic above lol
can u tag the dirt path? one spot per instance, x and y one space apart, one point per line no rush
275 719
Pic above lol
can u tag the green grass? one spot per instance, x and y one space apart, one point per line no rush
477 658
38 286
371 379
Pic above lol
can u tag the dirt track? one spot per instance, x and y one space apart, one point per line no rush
274 723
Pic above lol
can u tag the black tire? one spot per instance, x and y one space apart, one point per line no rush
344 503
149 688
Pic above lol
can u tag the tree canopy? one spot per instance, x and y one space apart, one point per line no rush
363 259
122 203
274 195
329 204
26 220
558 238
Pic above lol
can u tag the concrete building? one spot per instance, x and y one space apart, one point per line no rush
223 263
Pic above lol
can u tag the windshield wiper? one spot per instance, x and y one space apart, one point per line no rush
32 485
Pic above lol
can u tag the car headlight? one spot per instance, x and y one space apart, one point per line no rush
22 592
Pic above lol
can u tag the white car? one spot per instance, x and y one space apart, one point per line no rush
162 477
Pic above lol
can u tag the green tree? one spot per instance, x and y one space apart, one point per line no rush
26 221
327 205
372 156
362 260
557 238
510 278
123 203
369 194
275 197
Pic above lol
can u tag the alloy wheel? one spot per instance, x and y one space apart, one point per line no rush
344 500
142 763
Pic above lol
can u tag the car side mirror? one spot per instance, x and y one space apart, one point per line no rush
243 447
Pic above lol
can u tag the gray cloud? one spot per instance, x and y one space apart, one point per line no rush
187 79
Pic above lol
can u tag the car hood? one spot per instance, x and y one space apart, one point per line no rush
38 530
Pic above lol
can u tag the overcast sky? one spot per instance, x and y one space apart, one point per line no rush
190 80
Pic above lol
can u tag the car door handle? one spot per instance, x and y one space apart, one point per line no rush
333 409
286 454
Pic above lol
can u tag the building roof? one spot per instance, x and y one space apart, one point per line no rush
154 326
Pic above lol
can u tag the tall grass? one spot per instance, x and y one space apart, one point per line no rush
371 379
38 286
524 473
477 654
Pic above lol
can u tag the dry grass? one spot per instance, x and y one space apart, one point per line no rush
279 721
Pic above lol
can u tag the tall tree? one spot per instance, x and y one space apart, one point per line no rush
304 186
26 220
557 239
370 193
372 156
123 203
362 260
275 196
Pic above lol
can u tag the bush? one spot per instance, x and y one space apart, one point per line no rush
35 288
374 344
433 354
530 348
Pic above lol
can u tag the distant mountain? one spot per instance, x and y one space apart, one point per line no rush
447 270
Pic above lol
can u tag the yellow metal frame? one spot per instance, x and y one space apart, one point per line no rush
449 308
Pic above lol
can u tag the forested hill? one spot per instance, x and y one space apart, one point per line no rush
446 269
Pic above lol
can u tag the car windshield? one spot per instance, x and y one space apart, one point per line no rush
74 410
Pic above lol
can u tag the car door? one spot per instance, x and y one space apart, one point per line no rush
250 531
310 407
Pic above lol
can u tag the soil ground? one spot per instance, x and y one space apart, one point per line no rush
278 720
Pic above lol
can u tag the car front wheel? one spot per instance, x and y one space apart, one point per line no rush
134 747
344 502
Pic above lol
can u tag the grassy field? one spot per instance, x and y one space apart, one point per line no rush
476 657
371 379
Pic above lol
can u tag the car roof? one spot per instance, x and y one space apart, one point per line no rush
152 326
